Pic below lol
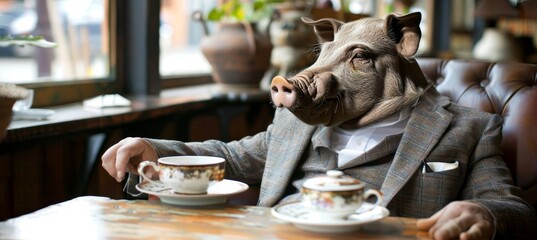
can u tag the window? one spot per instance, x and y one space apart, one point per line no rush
79 27
180 36
85 62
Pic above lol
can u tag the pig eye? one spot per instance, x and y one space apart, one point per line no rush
361 57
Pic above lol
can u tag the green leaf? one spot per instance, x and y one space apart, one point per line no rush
215 14
239 13
238 10
259 5
22 41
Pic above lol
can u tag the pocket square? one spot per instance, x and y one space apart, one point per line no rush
439 166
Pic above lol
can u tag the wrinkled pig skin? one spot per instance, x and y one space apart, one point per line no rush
365 72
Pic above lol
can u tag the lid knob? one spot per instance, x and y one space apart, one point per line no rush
334 173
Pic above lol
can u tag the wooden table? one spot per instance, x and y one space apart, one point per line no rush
103 218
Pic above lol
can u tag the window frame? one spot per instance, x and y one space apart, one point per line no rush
53 93
127 60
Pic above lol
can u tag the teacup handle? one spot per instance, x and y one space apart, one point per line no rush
370 193
145 164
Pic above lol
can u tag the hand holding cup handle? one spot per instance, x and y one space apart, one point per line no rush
141 170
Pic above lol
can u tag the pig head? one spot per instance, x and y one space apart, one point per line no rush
364 73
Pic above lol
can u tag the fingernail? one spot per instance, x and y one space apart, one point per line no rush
120 176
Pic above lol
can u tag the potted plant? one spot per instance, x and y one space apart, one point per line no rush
10 93
22 41
237 52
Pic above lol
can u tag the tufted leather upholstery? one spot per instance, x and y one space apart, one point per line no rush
507 89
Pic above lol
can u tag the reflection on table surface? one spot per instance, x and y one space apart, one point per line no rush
102 218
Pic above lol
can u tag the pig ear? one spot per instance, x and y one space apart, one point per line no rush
325 28
405 31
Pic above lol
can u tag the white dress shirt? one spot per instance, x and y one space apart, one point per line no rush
350 144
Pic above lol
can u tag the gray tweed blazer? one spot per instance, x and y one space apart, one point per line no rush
437 131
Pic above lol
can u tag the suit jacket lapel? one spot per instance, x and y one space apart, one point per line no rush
424 130
288 141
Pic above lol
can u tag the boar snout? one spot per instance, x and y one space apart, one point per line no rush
283 92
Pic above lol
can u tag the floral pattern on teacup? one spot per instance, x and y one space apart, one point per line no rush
190 180
332 200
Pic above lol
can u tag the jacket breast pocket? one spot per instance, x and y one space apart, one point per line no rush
428 192
442 185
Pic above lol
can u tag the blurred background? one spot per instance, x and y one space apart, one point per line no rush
87 43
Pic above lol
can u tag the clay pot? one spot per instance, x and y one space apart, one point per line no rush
238 54
9 94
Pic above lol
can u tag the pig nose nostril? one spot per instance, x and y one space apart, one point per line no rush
281 85
286 89
283 89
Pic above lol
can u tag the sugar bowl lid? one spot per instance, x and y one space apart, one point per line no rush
334 180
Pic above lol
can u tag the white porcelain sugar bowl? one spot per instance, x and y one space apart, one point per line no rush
335 196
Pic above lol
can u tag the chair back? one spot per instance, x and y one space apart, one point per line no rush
507 89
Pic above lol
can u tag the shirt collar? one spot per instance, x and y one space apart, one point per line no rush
360 140
390 126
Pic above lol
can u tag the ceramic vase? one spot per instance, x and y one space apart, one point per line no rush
239 55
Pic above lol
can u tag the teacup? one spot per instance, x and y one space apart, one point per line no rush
186 174
335 196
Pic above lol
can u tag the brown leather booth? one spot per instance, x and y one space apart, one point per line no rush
507 89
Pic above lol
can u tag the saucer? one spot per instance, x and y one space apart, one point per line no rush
299 216
216 194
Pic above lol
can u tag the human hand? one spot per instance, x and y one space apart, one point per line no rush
460 219
125 156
